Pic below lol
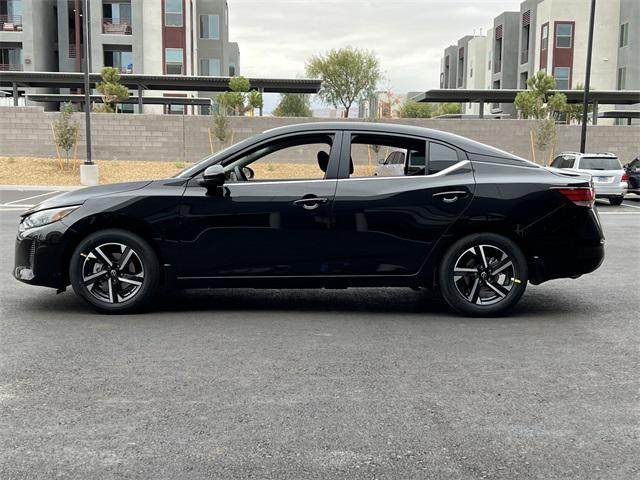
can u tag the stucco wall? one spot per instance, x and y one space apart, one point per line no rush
26 131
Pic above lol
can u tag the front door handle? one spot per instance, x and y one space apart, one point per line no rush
450 196
310 203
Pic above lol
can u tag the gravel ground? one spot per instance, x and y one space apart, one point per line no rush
354 384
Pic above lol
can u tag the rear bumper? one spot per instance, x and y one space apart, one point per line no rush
568 263
607 191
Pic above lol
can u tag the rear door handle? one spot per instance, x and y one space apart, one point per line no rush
310 203
450 196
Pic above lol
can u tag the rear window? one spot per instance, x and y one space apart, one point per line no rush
600 163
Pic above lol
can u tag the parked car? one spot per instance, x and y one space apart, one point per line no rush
633 172
609 178
466 219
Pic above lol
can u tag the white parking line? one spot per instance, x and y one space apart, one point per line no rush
631 206
29 198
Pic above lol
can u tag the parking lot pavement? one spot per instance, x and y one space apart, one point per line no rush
358 383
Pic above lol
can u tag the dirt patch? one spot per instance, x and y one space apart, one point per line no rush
47 171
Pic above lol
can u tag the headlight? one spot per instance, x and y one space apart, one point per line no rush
43 217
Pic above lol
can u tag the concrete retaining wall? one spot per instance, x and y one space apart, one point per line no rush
26 131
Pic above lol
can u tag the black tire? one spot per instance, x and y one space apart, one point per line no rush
473 289
616 200
98 278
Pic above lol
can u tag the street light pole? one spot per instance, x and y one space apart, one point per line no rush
587 80
87 93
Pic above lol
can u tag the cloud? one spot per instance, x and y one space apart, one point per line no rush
408 36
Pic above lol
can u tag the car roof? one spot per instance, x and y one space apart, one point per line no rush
594 155
466 144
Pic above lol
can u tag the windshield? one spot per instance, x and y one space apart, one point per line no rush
600 163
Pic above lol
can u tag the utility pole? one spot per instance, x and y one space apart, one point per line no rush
89 170
87 92
587 80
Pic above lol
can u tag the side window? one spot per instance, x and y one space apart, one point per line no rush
441 157
557 162
301 157
567 162
379 155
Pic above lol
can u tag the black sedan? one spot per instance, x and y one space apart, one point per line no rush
302 207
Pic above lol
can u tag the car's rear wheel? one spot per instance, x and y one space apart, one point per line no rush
115 271
483 275
616 200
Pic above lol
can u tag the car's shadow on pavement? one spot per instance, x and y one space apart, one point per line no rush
379 301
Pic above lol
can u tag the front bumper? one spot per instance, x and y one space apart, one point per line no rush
39 258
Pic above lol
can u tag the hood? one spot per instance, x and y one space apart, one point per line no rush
77 197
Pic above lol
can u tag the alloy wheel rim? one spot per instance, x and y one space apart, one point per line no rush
484 275
113 273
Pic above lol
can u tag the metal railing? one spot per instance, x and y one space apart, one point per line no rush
9 67
72 50
524 56
116 26
497 66
11 23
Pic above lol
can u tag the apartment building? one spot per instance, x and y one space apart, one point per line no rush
156 37
475 69
551 35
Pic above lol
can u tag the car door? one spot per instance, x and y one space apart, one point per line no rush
264 226
388 225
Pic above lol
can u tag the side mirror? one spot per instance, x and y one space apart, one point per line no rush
381 161
248 172
213 176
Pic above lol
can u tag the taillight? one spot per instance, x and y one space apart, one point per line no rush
625 177
582 196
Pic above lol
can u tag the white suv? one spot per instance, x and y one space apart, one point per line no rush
609 178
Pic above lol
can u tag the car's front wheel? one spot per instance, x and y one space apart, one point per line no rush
115 271
483 275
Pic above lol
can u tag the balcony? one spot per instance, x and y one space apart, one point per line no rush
72 50
7 67
116 26
524 56
11 23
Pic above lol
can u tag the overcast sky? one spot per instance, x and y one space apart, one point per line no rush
408 36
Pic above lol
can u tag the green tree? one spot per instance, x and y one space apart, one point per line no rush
413 109
536 102
65 130
449 108
348 75
293 105
240 98
110 88
573 111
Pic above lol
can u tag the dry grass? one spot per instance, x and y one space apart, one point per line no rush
45 171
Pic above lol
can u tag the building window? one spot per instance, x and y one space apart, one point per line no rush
118 57
173 13
561 76
624 35
622 78
11 15
210 66
232 70
564 32
173 58
116 18
210 27
11 56
544 44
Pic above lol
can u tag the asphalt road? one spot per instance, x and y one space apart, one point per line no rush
371 383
